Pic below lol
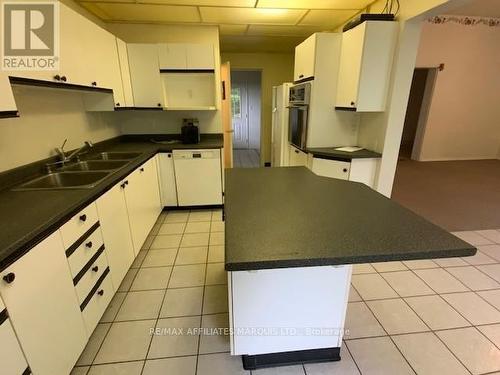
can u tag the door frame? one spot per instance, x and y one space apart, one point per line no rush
227 126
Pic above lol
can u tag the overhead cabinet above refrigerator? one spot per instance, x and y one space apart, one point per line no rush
365 66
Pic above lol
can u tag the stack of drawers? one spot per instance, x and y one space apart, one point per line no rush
87 260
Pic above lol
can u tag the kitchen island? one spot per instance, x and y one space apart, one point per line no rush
291 239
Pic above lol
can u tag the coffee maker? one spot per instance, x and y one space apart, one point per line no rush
190 133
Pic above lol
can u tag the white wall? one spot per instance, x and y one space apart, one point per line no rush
48 116
464 115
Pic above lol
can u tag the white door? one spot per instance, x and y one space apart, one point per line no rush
239 108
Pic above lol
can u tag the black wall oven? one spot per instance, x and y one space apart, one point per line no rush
298 113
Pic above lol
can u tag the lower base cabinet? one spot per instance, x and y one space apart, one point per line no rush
297 158
11 355
358 170
43 308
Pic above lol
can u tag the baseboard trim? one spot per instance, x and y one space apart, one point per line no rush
253 362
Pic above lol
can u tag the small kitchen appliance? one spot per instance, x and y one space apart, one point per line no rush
190 133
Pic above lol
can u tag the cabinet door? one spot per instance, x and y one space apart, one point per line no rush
166 178
145 75
128 98
7 102
113 216
43 308
11 355
200 56
172 56
350 65
297 158
305 59
331 168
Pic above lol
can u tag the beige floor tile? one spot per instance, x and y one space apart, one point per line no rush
473 278
396 316
192 255
389 266
176 217
128 368
441 281
197 227
428 355
216 238
493 251
201 215
450 262
113 307
217 340
420 264
360 322
147 243
354 295
151 278
174 366
407 284
216 254
195 239
492 296
128 280
187 276
217 215
182 302
95 341
479 258
475 351
492 270
378 356
491 234
215 299
345 366
473 308
372 286
218 364
282 370
436 312
361 268
473 238
126 341
216 274
172 228
159 258
172 337
492 332
139 259
166 241
141 305
217 226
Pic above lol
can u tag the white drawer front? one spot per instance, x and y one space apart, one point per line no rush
83 253
78 225
11 356
95 308
331 168
89 279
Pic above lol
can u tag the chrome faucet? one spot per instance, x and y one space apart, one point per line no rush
64 158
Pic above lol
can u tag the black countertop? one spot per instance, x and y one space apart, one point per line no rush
27 217
332 153
289 217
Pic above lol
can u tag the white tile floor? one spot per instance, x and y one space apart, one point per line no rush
425 317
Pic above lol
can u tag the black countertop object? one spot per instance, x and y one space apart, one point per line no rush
28 217
331 153
289 217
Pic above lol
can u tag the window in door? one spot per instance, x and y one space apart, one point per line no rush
236 102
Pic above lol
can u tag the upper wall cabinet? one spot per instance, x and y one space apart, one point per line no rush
365 66
186 56
145 75
305 57
128 98
8 106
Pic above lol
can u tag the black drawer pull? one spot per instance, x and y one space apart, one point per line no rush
159 104
142 169
63 78
344 170
123 184
9 278
89 244
94 83
301 76
57 77
197 156
117 104
101 292
95 269
352 103
83 218
296 151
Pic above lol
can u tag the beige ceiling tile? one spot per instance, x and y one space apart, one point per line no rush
329 18
251 15
149 13
315 4
218 3
283 30
252 44
232 29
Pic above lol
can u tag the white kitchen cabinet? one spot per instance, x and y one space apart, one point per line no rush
113 216
80 223
186 56
359 170
166 178
143 201
365 66
198 177
296 158
305 57
128 97
11 355
331 168
43 308
7 102
145 75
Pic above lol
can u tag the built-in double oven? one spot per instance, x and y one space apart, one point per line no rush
298 114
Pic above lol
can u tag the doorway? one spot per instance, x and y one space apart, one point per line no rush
246 117
417 110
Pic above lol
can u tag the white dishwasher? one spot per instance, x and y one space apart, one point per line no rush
198 177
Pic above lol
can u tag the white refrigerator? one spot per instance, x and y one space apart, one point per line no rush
280 146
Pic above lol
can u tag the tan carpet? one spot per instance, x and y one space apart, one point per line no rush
456 195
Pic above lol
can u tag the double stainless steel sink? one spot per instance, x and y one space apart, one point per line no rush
82 174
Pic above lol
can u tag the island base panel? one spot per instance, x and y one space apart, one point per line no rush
253 362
